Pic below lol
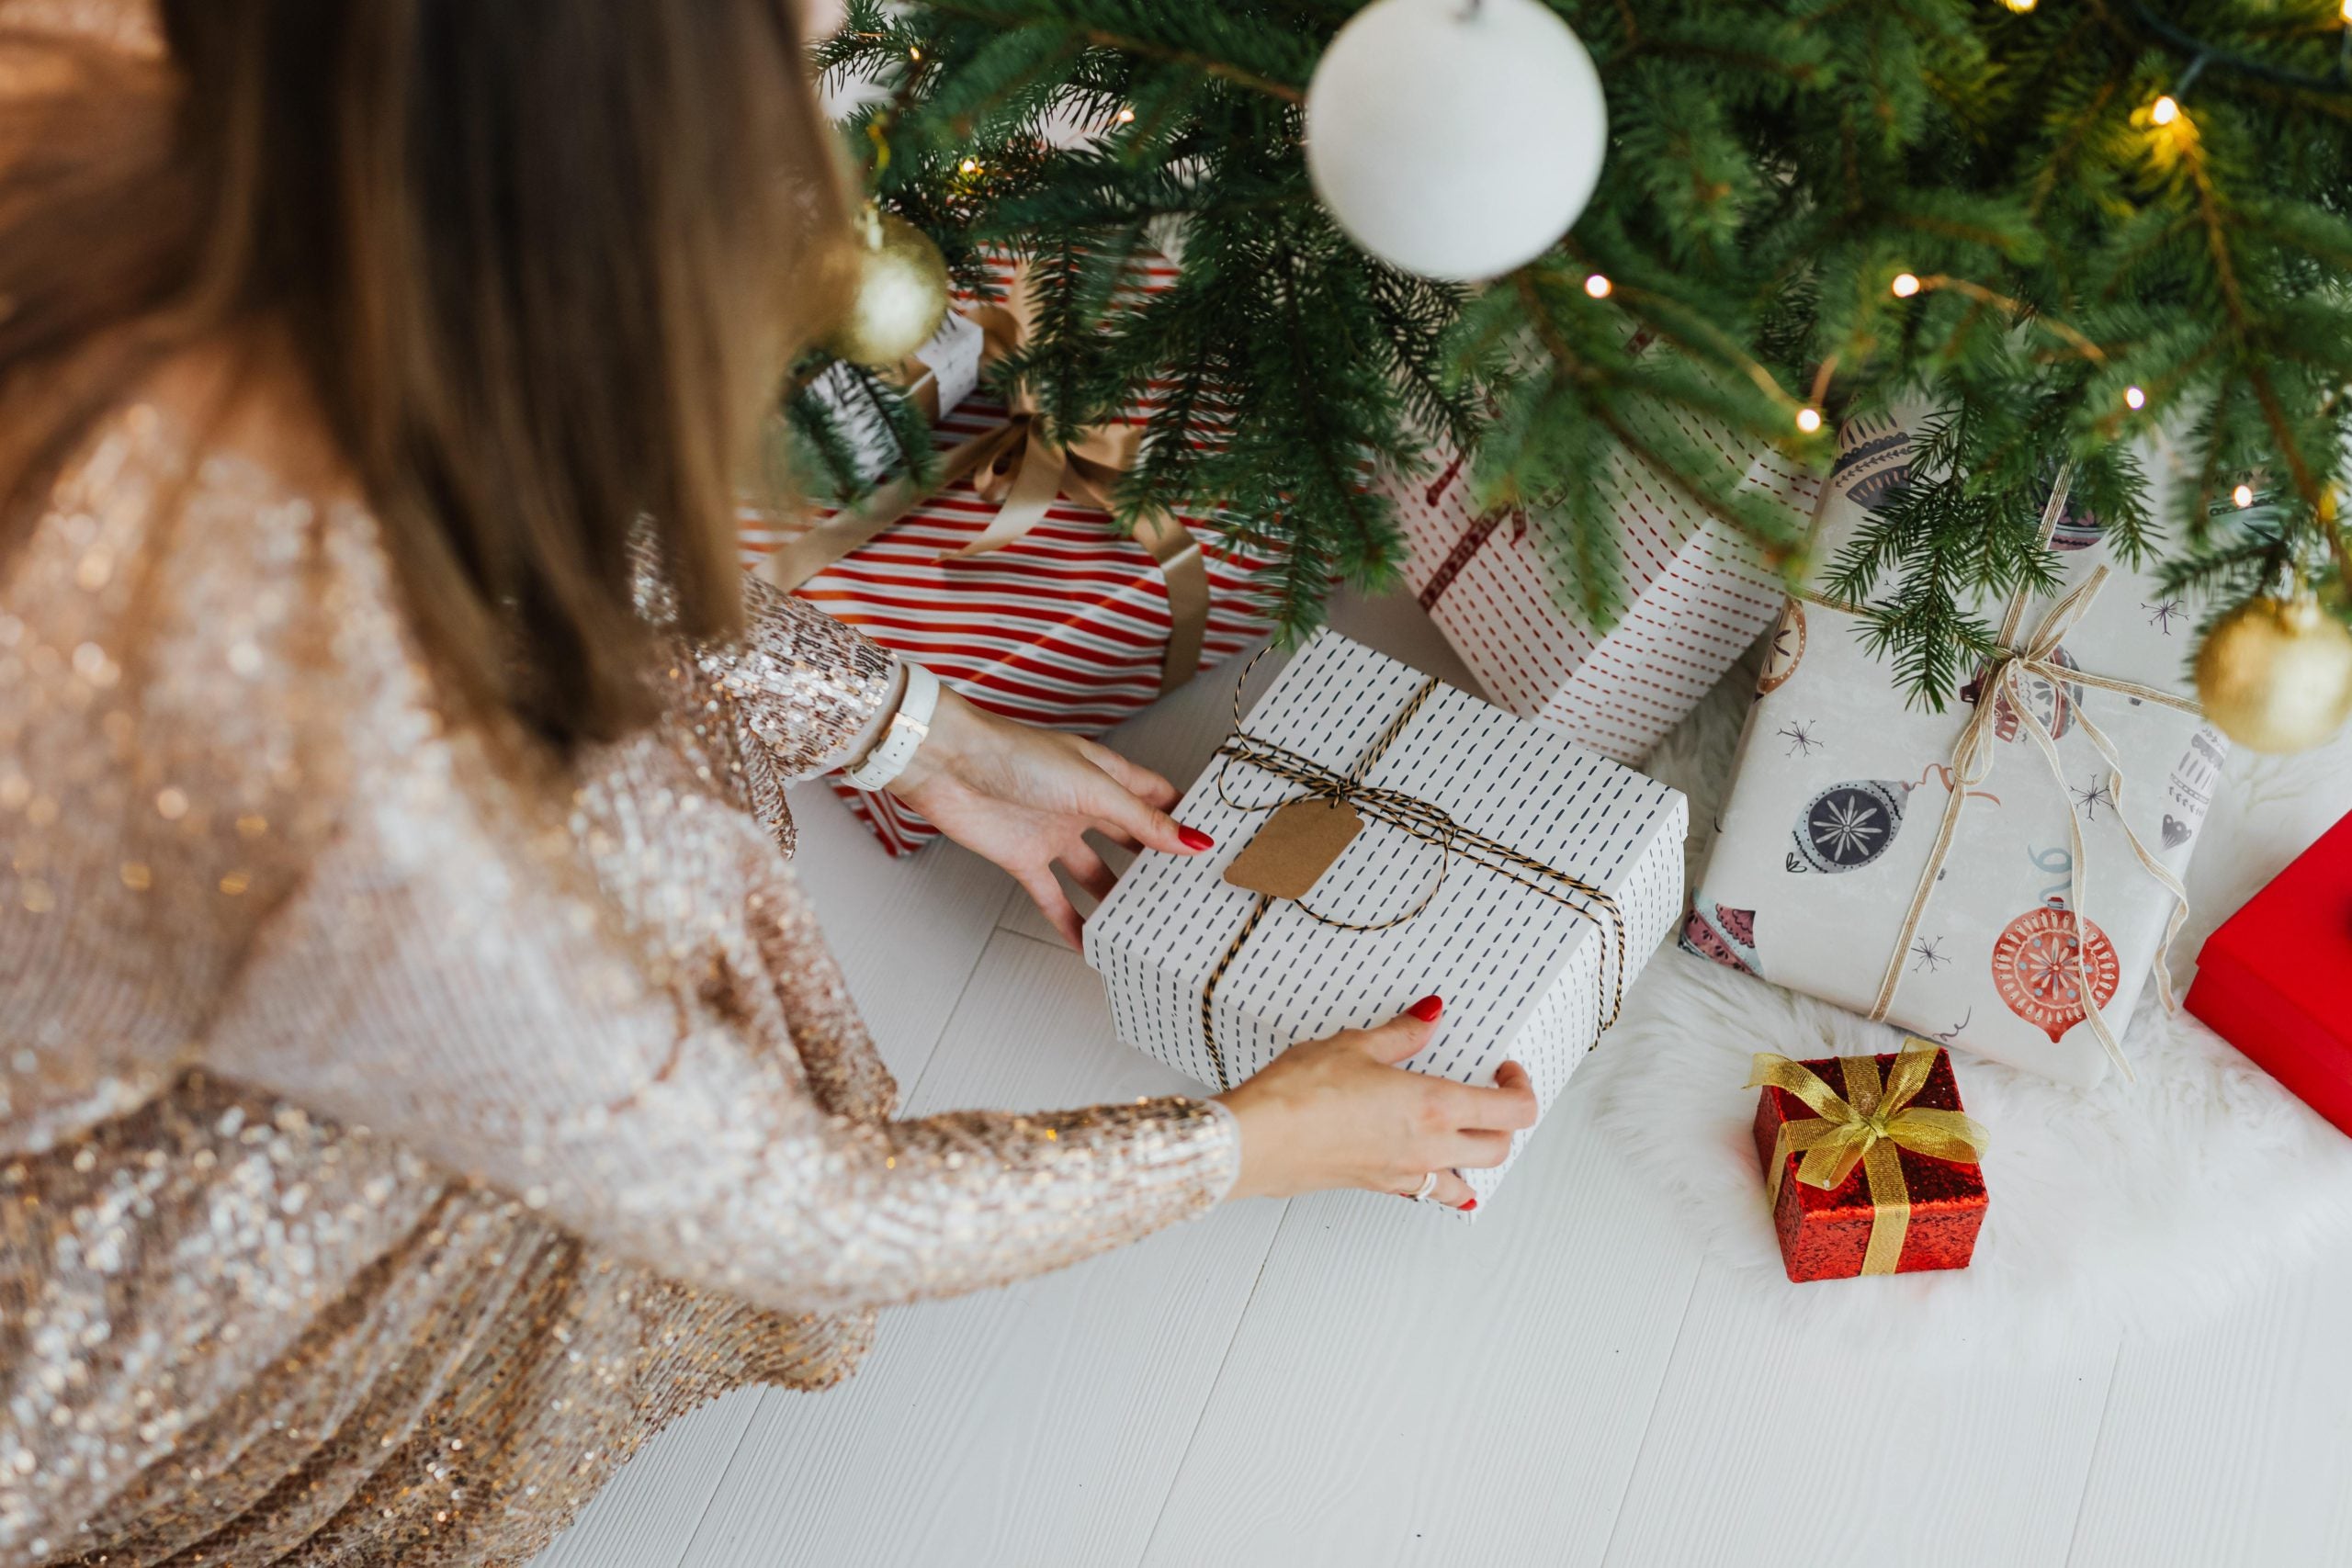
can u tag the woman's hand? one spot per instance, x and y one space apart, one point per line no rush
1339 1113
1025 797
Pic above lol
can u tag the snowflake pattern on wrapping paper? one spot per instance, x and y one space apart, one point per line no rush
2089 799
1800 737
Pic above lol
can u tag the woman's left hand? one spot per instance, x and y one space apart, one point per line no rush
1026 798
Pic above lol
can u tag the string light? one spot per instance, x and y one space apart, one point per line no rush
1597 285
968 166
2165 110
914 54
1126 117
2244 494
2134 398
1808 420
2023 6
2345 11
1906 284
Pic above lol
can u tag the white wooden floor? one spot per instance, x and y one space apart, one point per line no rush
1338 1380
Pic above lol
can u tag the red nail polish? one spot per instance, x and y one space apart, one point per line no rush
1470 1205
1428 1008
1194 839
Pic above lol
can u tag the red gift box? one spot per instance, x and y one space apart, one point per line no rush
1870 1163
2276 979
1067 622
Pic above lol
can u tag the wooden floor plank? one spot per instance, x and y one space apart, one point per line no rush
1032 1426
2235 1445
1405 1387
1773 1450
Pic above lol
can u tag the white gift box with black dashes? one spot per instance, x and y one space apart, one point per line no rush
1531 970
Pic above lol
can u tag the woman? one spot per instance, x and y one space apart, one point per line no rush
423 1075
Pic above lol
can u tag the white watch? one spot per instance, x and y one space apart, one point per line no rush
905 731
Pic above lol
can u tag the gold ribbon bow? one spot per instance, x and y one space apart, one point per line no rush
1429 823
1866 1129
1022 472
1973 757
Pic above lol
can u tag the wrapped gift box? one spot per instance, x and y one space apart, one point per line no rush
1899 1209
1217 980
2276 979
1823 875
1697 595
935 378
1073 624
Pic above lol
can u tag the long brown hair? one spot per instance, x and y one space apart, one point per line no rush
542 264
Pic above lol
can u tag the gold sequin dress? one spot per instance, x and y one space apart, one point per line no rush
392 1136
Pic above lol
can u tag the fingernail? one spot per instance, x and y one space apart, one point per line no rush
1428 1008
1194 838
1468 1205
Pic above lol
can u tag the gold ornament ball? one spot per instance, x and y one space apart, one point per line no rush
901 292
2276 674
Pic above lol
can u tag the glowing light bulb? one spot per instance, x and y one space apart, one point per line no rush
2165 110
2134 398
968 166
914 54
1598 286
1808 420
2244 494
1126 117
2345 10
2019 7
1906 285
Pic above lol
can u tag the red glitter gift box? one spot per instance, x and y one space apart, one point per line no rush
1871 1166
2276 979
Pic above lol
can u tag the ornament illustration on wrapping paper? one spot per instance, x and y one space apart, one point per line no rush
2054 705
2190 788
2036 973
1728 938
1873 461
1784 652
1849 825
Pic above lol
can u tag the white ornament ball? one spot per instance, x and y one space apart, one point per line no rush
1456 138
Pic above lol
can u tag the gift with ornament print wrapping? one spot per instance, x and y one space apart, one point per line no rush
2000 875
1381 837
1697 591
1009 580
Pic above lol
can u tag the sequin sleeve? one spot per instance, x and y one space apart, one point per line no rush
444 982
605 994
802 685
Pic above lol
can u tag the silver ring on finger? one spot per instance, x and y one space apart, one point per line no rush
1422 1193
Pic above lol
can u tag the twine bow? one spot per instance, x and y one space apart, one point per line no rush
1866 1126
1974 755
1424 821
1022 471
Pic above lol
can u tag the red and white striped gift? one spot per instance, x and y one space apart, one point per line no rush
1697 595
1068 625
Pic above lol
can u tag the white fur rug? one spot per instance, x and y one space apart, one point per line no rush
2151 1205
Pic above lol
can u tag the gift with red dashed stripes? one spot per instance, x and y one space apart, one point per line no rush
1009 580
1697 592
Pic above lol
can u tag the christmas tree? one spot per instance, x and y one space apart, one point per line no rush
2065 225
